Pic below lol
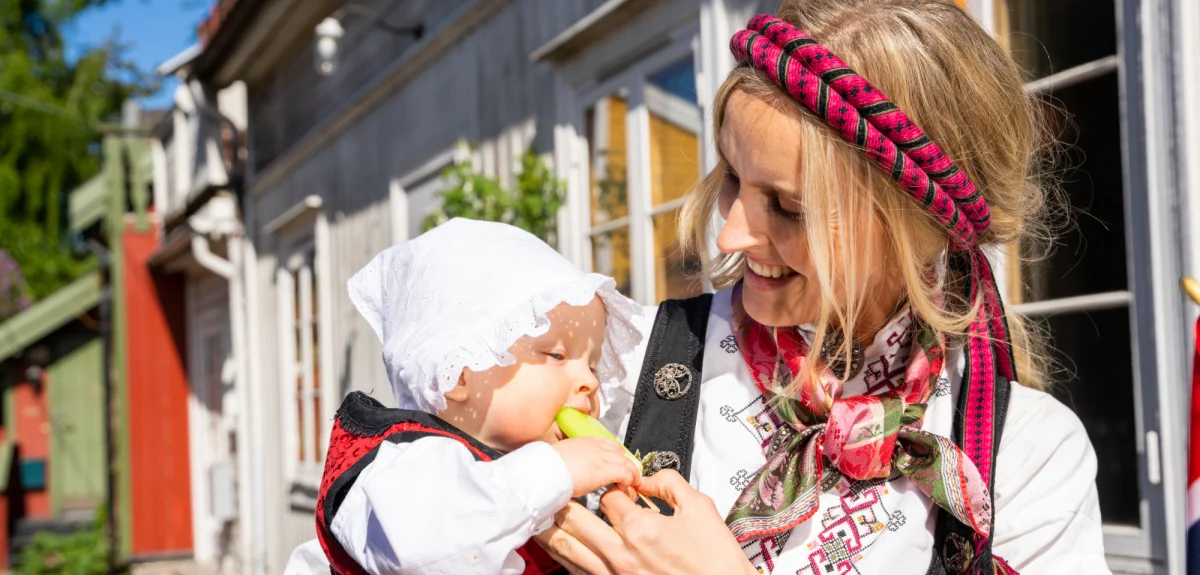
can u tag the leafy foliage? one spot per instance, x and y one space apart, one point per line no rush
51 110
533 206
81 553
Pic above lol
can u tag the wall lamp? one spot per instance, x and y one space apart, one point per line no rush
329 34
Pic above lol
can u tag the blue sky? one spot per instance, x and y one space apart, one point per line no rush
154 30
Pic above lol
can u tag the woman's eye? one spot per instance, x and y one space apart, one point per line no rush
777 207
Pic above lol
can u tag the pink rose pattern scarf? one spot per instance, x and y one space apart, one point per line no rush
862 437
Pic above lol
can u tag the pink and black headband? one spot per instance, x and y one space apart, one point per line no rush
864 116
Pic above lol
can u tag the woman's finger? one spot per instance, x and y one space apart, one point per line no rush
571 553
667 485
618 507
590 530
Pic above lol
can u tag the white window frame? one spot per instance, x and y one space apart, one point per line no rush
574 150
300 230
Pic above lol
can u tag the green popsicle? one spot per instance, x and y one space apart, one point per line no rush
575 423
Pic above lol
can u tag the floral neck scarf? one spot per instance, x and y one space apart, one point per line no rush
862 437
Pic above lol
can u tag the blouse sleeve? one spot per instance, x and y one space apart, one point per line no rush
1047 509
430 507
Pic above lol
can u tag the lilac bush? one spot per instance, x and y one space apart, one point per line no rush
14 292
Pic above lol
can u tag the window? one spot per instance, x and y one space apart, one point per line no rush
643 139
301 343
608 180
1082 293
307 398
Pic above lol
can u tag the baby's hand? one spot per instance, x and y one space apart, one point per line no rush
594 462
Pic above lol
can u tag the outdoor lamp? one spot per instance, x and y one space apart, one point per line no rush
329 34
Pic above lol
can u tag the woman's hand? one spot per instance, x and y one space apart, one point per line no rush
693 540
569 550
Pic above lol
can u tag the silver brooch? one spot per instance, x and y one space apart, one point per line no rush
672 381
835 357
656 461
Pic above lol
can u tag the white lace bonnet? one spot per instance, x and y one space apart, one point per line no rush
460 295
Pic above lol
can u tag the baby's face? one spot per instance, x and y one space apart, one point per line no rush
515 405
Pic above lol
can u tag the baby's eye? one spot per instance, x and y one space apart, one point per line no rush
557 356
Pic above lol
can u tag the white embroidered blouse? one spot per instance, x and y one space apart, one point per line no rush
1047 510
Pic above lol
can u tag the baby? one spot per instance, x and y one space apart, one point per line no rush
487 332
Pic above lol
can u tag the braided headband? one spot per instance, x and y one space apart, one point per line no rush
865 117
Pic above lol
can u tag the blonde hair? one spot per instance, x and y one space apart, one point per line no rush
967 94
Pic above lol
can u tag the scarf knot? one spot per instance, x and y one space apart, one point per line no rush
862 434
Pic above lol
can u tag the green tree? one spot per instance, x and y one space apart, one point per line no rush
51 112
533 206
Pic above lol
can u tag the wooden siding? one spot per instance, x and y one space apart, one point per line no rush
485 90
364 52
158 476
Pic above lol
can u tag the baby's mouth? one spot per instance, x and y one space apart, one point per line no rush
558 433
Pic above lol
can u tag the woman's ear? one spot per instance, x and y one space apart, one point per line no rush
459 394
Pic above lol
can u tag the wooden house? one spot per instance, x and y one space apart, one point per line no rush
327 147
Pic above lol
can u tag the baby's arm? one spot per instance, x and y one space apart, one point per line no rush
430 507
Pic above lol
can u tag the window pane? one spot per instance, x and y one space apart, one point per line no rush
316 440
608 177
678 79
1089 256
674 131
676 276
1096 380
299 420
610 256
297 338
1049 36
316 358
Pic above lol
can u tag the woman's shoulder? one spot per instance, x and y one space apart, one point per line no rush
1047 508
1044 446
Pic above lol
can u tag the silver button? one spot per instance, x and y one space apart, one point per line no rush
672 381
660 460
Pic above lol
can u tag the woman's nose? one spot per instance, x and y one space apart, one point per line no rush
735 235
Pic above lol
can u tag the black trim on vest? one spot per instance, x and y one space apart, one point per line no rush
363 416
656 423
951 534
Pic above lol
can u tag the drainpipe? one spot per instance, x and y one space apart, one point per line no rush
230 269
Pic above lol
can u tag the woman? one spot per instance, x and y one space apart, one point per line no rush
848 400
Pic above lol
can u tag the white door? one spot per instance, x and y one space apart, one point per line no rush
212 424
